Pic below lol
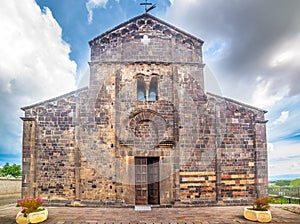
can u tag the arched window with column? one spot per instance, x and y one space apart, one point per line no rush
152 96
141 89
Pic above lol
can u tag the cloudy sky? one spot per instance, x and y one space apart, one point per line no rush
252 50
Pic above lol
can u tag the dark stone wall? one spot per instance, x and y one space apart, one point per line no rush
49 148
223 165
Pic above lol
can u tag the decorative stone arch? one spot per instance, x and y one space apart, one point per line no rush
144 23
148 128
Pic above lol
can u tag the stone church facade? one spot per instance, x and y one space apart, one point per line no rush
144 131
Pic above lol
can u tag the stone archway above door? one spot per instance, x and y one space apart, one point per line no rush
149 129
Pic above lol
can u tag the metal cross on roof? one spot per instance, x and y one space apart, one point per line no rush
146 4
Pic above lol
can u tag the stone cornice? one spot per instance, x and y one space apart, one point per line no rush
147 62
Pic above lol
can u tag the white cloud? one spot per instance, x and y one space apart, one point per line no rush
279 130
34 65
270 147
216 50
286 53
258 78
265 95
284 158
282 58
295 165
93 4
283 118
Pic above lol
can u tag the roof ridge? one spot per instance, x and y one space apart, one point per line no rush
237 102
54 98
152 17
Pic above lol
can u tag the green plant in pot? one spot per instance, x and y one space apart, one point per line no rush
31 211
259 210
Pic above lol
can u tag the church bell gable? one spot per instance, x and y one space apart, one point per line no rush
142 38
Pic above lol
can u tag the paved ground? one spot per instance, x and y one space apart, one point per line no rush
203 215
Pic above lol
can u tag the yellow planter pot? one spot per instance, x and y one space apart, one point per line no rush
34 217
261 216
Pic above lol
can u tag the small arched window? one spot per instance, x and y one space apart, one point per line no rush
153 89
141 89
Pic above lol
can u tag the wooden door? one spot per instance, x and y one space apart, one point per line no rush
146 181
153 181
141 181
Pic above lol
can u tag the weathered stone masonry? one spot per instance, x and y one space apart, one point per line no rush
144 131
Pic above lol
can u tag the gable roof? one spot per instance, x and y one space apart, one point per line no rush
237 102
146 16
54 99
